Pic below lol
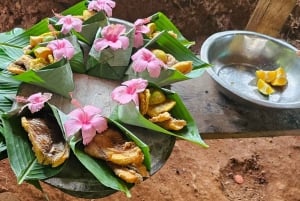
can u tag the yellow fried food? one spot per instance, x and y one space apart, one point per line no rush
124 157
155 110
161 117
144 101
42 52
15 69
173 124
130 174
152 29
160 54
156 97
47 140
35 40
87 14
183 66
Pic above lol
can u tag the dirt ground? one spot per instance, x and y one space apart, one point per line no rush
257 169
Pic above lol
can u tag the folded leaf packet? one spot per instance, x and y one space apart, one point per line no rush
56 77
111 62
158 109
29 138
160 22
179 63
112 153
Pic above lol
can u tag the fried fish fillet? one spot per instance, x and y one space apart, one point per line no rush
48 143
124 157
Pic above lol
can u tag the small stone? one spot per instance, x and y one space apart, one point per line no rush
238 179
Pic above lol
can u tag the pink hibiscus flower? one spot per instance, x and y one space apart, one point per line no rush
144 59
112 36
129 90
88 119
102 5
35 102
140 29
68 23
61 48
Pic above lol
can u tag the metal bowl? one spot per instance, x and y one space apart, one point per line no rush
236 55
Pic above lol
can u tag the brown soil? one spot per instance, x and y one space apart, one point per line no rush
269 167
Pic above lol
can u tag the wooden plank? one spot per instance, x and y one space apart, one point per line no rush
255 134
217 116
269 16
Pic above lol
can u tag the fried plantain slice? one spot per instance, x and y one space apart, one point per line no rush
155 110
48 143
111 146
156 97
161 117
173 124
124 157
144 98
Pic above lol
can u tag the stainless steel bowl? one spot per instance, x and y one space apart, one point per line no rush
236 55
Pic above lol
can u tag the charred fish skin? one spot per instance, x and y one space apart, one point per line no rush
47 140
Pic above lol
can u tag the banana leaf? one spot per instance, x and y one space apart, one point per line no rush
12 49
21 157
57 78
8 89
10 34
98 167
89 26
169 76
3 153
129 114
163 23
22 40
108 63
8 54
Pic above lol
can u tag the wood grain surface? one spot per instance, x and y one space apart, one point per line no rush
216 115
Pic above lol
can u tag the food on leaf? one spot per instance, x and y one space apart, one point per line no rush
166 106
157 97
156 107
154 32
171 62
160 54
264 87
47 140
123 156
35 56
183 66
144 98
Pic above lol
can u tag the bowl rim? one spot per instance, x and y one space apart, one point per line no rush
204 56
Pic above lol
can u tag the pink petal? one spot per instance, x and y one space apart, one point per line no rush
139 65
88 133
100 44
138 40
125 41
72 126
91 110
120 95
154 70
61 48
99 123
35 107
129 91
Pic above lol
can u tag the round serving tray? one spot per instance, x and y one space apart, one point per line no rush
75 179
